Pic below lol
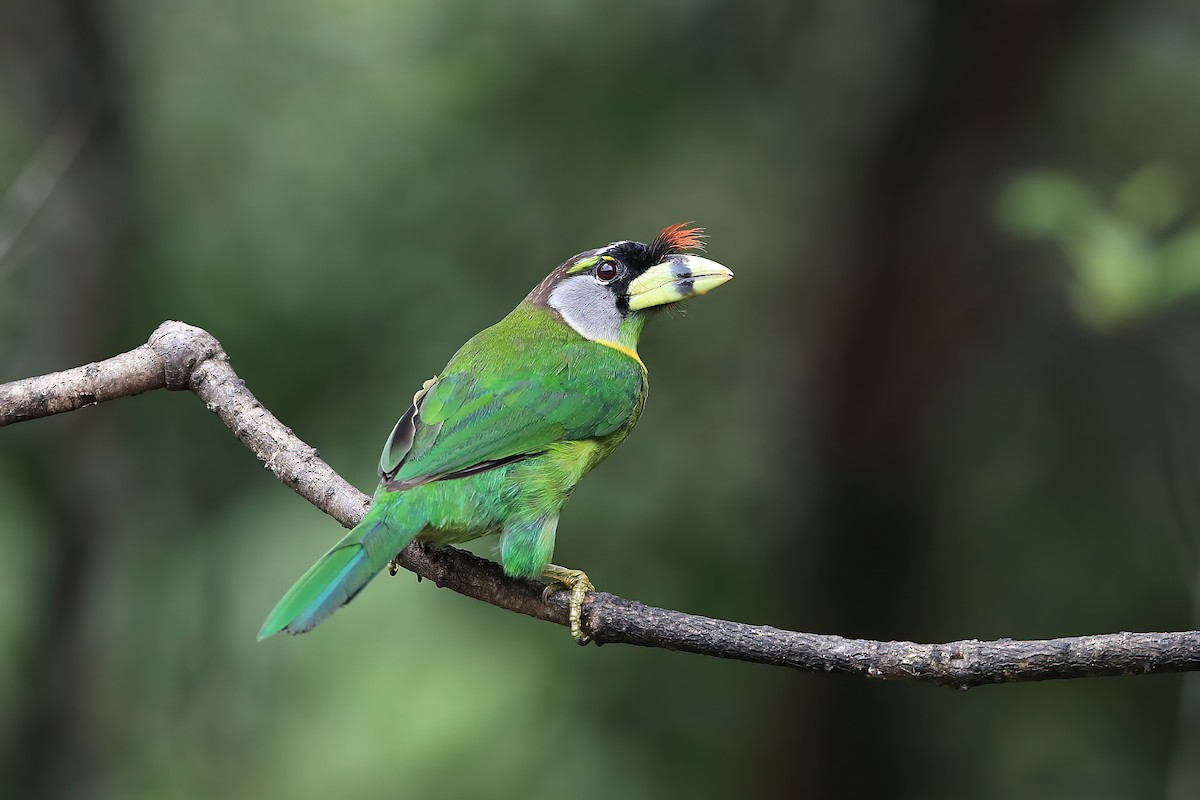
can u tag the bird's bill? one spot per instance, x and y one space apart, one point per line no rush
677 278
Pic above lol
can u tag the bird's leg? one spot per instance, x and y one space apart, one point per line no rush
579 585
394 566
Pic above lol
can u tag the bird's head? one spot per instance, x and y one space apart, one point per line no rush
607 294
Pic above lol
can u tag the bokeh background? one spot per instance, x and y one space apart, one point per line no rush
952 392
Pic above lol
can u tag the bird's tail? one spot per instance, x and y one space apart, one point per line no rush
340 575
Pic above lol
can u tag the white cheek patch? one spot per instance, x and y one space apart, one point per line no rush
589 308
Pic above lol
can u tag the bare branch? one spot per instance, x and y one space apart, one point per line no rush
180 356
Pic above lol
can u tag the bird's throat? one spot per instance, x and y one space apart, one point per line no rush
591 311
620 348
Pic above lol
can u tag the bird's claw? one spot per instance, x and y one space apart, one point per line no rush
394 565
578 584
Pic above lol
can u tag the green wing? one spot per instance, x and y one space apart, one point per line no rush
498 403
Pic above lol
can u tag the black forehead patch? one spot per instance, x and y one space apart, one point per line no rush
634 255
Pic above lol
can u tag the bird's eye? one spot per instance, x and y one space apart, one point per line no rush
606 272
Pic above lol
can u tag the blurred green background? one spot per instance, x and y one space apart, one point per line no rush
952 392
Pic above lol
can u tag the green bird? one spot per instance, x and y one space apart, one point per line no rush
496 443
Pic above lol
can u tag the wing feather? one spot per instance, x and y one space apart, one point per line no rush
480 412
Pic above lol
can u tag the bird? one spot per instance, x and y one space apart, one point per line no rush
495 443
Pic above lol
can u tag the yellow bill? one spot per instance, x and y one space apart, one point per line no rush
676 279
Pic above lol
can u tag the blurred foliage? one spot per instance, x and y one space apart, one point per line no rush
1130 257
344 193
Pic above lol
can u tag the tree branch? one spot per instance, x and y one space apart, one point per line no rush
183 357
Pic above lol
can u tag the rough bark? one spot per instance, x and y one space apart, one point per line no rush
183 357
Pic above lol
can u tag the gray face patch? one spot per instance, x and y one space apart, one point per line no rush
589 308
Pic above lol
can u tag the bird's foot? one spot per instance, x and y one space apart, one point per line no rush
579 585
394 566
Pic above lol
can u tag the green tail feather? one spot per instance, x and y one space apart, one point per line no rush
334 580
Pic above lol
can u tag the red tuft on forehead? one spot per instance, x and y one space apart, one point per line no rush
678 238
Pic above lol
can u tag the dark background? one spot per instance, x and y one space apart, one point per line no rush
951 393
